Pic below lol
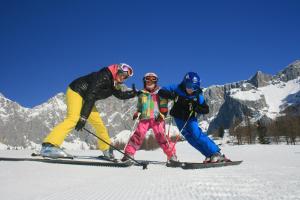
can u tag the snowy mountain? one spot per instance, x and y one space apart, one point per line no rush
24 127
263 96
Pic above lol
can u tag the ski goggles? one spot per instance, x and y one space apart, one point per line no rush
151 78
125 69
191 86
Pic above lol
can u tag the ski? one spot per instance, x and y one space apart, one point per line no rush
132 163
67 161
106 159
173 164
191 165
195 165
39 155
80 157
100 158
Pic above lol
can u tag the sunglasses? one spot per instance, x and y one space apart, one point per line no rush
125 69
151 78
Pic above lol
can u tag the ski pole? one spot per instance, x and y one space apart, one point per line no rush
133 128
170 124
134 124
177 137
144 165
167 136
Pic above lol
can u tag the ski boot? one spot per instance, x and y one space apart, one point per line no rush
217 157
108 155
207 160
173 162
51 151
127 160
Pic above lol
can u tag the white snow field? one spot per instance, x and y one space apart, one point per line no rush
268 172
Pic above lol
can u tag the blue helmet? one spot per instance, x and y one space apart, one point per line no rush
192 81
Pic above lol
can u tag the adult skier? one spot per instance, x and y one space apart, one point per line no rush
188 103
151 111
81 96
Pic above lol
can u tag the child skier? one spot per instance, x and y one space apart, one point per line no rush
81 96
188 103
151 111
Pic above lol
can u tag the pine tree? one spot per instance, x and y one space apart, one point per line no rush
221 132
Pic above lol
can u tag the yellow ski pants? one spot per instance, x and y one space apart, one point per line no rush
74 105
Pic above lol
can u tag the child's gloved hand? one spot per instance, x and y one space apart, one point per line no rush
136 115
137 92
160 117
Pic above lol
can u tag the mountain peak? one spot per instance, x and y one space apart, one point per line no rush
292 71
296 64
260 79
59 96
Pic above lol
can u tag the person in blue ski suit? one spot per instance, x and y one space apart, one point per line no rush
189 102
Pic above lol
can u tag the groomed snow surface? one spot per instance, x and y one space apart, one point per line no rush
268 172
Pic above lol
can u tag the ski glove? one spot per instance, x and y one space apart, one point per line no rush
137 92
193 104
202 109
167 94
160 117
80 124
199 108
136 115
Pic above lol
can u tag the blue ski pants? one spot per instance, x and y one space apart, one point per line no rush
194 135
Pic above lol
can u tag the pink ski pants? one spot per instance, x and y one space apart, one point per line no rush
158 127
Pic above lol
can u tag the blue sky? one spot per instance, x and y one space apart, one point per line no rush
45 44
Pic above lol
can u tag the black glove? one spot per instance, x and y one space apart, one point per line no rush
137 92
80 124
201 108
167 94
173 95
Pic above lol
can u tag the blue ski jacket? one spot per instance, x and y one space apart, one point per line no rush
185 105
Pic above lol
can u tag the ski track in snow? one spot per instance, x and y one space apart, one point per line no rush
268 172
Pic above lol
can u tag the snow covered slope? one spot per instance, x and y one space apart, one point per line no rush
268 172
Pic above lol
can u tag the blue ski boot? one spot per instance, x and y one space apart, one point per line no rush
109 154
51 151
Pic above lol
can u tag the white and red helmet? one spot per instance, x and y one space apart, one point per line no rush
150 76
